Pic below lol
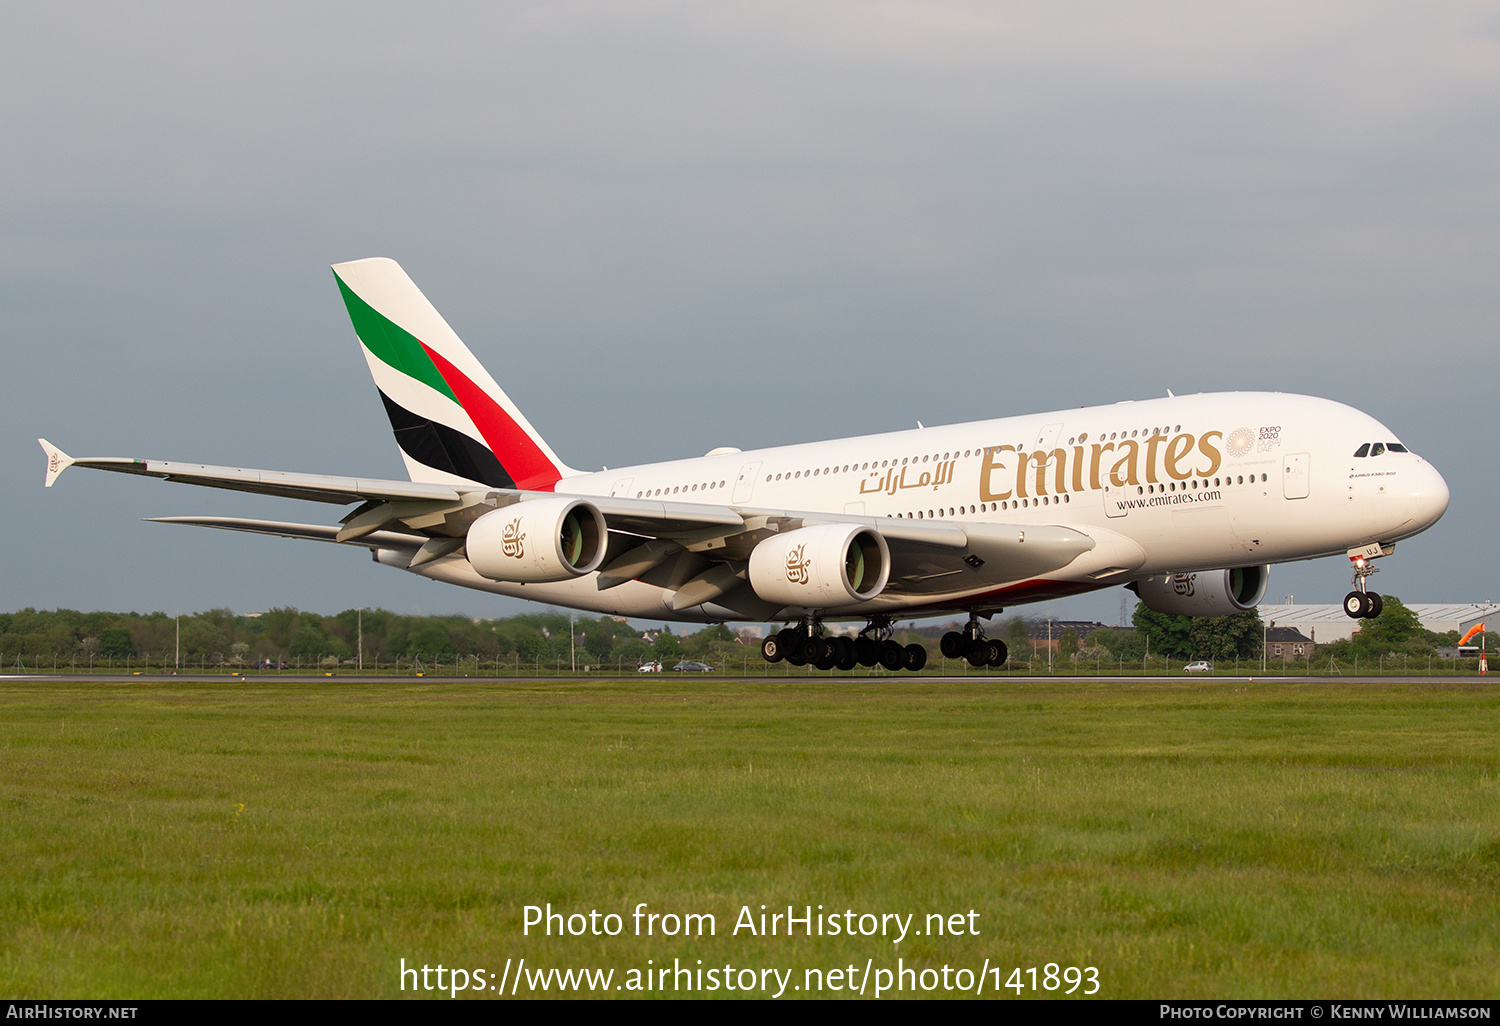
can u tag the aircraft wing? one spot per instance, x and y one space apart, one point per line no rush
662 543
317 487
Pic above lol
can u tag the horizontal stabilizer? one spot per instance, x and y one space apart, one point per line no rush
304 532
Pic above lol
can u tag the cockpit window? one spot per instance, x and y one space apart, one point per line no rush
1362 451
1378 449
1397 447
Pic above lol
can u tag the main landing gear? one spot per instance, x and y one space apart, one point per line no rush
805 643
971 644
1360 603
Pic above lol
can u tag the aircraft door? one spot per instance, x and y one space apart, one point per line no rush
1295 474
1046 438
1114 501
744 485
622 486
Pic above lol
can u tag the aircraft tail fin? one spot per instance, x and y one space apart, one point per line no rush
453 423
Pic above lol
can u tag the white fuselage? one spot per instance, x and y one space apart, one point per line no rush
1184 483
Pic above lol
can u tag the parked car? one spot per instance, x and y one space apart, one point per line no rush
692 666
650 667
1201 666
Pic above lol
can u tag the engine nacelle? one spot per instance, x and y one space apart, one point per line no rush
538 540
1210 593
821 567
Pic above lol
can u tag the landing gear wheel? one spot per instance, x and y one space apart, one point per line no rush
772 650
998 653
977 653
796 651
892 656
1354 604
916 657
815 650
1374 603
844 657
952 645
866 651
829 659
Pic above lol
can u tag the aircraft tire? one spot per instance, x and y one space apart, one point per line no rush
915 657
867 651
815 650
796 650
1375 605
998 653
892 656
977 653
1354 605
952 645
844 657
772 650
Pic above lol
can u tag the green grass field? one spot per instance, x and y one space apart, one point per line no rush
1191 838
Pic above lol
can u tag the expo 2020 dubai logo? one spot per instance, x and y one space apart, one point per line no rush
1241 441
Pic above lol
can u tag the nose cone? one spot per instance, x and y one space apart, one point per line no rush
1429 496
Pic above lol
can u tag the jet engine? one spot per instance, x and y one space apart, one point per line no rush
1209 593
538 540
821 567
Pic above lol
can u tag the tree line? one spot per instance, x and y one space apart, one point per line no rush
222 638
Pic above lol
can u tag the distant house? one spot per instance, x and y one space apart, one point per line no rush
1044 635
1287 643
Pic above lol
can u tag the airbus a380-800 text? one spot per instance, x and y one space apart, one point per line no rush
1187 500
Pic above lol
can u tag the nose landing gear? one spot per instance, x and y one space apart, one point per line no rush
1362 604
971 644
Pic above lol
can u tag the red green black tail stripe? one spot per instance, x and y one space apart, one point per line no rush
522 458
440 447
513 458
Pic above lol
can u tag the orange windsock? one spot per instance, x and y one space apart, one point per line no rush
1478 628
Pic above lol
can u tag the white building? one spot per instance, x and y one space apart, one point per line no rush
1325 623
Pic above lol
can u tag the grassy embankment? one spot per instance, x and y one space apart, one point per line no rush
1193 838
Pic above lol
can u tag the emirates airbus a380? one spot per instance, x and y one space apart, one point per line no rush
1186 500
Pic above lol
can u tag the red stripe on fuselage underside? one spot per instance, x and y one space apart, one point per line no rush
513 447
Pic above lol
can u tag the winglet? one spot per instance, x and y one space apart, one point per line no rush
57 460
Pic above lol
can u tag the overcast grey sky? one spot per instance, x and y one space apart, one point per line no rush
667 227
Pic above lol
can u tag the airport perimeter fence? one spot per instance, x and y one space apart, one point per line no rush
746 664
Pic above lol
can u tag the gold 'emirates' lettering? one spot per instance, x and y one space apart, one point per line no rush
1007 472
1151 445
992 463
1177 451
1128 462
1099 451
1207 448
